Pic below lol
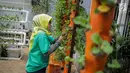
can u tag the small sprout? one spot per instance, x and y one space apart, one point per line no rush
103 8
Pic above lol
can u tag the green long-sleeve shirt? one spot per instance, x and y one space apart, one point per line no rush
36 58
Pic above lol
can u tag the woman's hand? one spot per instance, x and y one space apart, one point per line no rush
60 38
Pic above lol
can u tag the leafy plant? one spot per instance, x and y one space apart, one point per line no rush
99 72
121 52
40 6
3 50
68 59
83 20
61 25
9 18
114 64
81 60
106 6
80 41
60 54
9 7
103 46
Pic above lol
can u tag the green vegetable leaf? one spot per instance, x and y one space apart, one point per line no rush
96 50
81 60
99 72
118 39
107 48
80 20
115 64
96 11
129 23
68 59
105 44
96 38
111 2
71 60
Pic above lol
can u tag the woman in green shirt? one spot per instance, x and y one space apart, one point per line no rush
41 44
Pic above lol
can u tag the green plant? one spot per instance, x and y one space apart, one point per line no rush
106 6
3 50
61 15
80 41
60 12
60 54
40 6
3 26
102 47
121 44
82 19
9 18
9 7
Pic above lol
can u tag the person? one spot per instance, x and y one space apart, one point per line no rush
42 44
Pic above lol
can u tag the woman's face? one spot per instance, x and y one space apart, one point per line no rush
49 26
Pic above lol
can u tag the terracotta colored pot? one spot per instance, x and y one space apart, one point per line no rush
72 16
94 63
100 22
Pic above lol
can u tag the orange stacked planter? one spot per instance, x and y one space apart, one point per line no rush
67 53
101 24
54 66
71 24
72 15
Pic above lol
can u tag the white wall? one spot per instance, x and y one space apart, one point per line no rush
86 4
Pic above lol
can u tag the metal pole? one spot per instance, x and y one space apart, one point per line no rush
72 47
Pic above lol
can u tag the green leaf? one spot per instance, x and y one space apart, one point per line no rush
81 59
115 64
99 72
96 50
67 58
107 48
129 23
105 44
96 11
71 60
96 38
111 2
80 20
61 48
118 39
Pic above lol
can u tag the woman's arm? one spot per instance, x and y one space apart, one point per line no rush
54 46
